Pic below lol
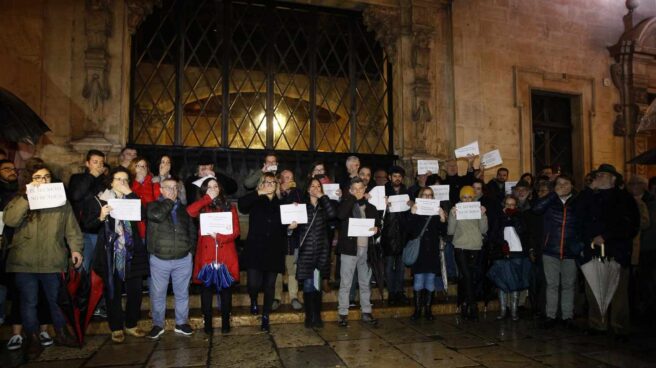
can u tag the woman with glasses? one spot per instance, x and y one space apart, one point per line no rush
39 254
218 248
427 265
266 244
121 258
142 186
468 241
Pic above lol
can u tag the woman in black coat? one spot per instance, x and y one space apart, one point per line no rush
266 244
427 265
121 258
314 251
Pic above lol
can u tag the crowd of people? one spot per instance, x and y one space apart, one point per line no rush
530 239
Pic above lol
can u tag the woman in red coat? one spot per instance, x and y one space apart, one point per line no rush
142 186
212 199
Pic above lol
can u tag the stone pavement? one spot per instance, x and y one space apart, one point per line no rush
445 342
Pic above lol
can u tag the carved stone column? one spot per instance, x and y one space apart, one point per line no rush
384 22
138 10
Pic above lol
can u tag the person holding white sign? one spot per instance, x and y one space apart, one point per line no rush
428 264
270 164
496 188
120 257
455 181
40 253
215 248
467 240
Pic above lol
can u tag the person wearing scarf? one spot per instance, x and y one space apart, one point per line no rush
121 259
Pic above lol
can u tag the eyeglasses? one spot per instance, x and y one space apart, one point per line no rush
141 166
125 180
8 169
266 182
41 178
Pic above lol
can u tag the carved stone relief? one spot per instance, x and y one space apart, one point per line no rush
138 10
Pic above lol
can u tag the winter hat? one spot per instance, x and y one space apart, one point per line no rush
467 190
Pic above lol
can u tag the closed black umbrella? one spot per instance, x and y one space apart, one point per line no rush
18 122
645 158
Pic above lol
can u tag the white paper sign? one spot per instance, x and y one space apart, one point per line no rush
468 211
293 212
46 196
399 203
441 192
424 166
200 181
125 209
510 235
377 197
428 207
2 223
360 227
272 168
491 159
316 275
330 189
470 149
509 186
216 223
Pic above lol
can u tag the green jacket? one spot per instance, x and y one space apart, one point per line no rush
467 234
168 240
40 244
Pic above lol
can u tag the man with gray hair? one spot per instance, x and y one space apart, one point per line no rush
352 168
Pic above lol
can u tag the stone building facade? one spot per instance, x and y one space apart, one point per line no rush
463 71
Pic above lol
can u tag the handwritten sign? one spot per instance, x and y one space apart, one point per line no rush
330 190
361 227
2 223
293 212
216 223
200 181
377 197
272 168
441 192
125 209
428 207
491 159
468 211
509 186
46 196
465 151
398 203
424 166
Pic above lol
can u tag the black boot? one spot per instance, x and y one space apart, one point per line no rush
464 313
417 298
316 310
473 311
207 328
254 310
225 321
307 304
430 295
265 323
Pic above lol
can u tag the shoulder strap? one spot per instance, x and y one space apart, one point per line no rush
425 226
314 215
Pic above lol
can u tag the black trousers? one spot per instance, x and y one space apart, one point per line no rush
206 296
467 263
116 317
265 281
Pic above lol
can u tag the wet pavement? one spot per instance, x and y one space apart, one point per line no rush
444 342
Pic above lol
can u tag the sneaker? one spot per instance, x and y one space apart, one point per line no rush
15 343
342 321
352 304
45 339
184 330
155 332
369 318
100 312
296 304
275 305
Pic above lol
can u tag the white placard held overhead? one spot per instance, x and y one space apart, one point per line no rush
293 212
468 211
330 189
377 197
465 151
441 192
125 209
272 168
509 186
491 159
200 181
428 207
398 203
423 166
46 196
216 223
360 227
2 222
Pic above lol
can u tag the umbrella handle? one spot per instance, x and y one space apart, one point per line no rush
216 250
603 249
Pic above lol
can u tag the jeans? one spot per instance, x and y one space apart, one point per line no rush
560 274
89 249
258 280
308 286
179 271
394 272
424 281
348 266
292 283
28 286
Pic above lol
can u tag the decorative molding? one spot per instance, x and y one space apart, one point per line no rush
386 25
138 10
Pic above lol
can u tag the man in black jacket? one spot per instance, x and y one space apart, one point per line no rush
455 181
353 251
496 187
171 239
393 239
205 169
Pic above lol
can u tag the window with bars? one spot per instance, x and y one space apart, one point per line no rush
259 75
552 130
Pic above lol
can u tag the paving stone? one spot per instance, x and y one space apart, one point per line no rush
624 359
395 332
295 335
531 347
184 357
431 328
310 356
570 360
465 340
173 341
372 353
55 364
355 331
91 345
244 351
498 357
121 354
434 354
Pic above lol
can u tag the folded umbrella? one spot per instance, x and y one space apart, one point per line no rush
603 276
443 271
95 293
66 299
215 274
510 274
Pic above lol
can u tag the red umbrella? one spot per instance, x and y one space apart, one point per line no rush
68 289
95 293
78 296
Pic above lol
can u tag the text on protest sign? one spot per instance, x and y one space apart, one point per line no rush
216 223
468 211
125 209
465 151
293 212
46 196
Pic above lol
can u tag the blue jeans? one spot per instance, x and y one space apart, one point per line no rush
394 273
28 286
424 281
308 286
179 271
89 249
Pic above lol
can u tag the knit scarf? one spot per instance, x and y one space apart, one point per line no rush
122 242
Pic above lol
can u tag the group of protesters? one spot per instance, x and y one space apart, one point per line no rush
541 226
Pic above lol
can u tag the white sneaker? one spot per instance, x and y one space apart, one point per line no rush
15 343
45 339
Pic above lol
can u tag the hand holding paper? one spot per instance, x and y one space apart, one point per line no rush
491 159
465 151
424 166
293 212
468 211
399 203
361 227
216 223
49 195
377 197
331 191
427 207
441 192
125 209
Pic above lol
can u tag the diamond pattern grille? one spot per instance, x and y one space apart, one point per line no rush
259 74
